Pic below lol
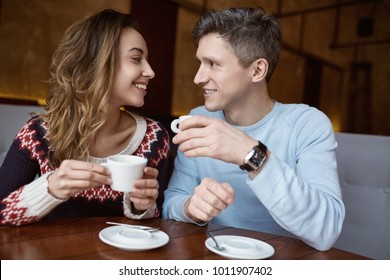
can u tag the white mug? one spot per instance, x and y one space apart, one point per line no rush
175 123
125 169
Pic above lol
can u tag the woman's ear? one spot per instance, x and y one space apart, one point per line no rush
260 69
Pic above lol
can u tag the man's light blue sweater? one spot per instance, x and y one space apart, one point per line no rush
297 193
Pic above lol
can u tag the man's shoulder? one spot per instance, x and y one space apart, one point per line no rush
295 111
303 119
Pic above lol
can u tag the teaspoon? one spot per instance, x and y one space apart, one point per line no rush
150 229
220 248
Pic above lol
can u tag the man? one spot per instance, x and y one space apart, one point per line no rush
245 160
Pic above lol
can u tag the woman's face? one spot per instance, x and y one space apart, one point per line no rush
133 71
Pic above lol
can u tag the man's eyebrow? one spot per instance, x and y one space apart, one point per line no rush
208 58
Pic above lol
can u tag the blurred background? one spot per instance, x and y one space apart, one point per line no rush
335 54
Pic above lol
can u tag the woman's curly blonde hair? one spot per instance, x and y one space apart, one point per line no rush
82 73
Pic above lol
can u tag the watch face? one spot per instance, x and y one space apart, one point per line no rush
249 156
255 158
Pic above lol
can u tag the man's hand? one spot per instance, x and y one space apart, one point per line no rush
210 198
210 137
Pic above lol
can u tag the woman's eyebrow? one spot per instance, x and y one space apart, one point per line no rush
137 49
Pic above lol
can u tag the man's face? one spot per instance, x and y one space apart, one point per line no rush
225 83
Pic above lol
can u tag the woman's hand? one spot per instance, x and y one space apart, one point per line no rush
74 176
145 190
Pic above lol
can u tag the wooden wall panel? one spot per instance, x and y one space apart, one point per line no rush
29 34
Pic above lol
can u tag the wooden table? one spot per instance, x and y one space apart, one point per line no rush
77 238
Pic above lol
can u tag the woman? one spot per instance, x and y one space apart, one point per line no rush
53 166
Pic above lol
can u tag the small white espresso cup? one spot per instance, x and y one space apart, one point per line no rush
125 169
175 123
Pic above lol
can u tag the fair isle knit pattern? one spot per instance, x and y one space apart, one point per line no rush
24 200
15 211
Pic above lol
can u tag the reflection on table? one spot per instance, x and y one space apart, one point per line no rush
78 238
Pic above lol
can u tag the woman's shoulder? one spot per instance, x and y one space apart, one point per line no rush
35 125
155 126
156 137
33 136
147 124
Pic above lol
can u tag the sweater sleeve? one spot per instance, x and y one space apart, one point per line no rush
305 199
29 203
23 193
181 187
152 212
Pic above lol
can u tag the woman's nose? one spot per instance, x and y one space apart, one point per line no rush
148 71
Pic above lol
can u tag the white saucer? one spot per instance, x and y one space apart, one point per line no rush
133 239
239 247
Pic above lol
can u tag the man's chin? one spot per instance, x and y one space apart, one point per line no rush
211 108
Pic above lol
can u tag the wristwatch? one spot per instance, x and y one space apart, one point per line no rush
255 158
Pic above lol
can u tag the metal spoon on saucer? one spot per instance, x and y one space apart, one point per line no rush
150 229
217 246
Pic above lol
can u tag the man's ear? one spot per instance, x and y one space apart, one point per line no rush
260 69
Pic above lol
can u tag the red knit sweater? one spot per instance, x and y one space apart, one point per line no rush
24 170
